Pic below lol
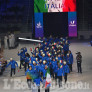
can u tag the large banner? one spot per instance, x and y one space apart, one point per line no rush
54 6
72 24
39 25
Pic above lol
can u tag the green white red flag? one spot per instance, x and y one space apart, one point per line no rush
48 79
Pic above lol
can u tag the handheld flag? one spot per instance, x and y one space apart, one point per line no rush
52 47
61 66
49 54
54 43
37 49
48 79
30 49
60 61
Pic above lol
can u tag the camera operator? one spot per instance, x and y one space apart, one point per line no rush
79 61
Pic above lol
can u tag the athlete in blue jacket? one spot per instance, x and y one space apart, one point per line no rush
13 64
71 56
24 49
66 49
33 58
60 74
22 56
44 71
53 64
55 68
69 61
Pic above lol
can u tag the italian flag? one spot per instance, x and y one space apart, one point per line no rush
54 43
61 46
60 61
45 43
49 54
52 47
61 66
39 6
30 49
54 6
48 79
37 49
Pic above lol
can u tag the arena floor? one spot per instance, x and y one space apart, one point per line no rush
85 78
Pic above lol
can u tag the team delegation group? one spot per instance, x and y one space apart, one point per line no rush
52 53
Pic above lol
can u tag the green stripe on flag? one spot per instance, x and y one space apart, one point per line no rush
48 71
48 79
39 6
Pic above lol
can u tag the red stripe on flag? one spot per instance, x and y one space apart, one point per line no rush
46 84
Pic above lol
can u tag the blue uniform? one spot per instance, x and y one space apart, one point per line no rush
34 67
66 69
27 59
54 63
37 81
44 72
22 56
43 58
24 50
69 60
55 68
66 47
60 72
32 59
71 56
59 58
13 64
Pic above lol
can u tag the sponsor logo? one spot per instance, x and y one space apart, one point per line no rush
39 25
72 23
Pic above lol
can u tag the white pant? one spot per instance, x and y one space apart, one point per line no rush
5 44
10 42
13 42
34 88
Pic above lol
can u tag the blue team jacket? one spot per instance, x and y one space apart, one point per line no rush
60 72
37 81
69 60
66 47
22 56
26 59
13 64
71 56
66 69
43 71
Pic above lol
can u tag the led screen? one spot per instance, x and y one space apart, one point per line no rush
54 6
